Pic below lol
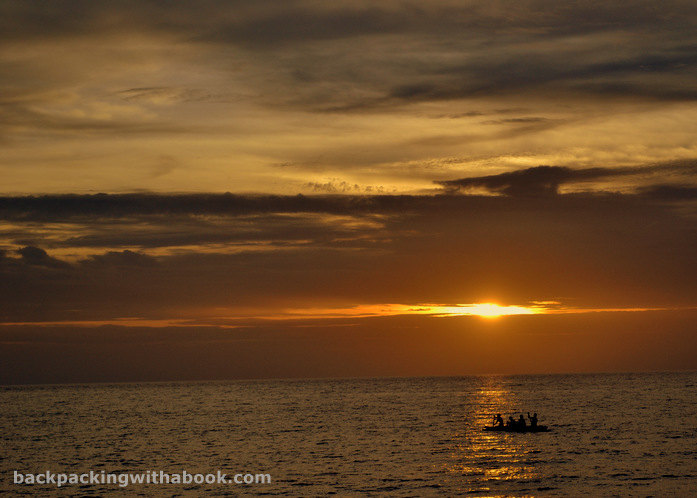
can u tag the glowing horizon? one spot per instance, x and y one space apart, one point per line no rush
213 318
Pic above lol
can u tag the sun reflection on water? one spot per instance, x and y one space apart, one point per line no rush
486 461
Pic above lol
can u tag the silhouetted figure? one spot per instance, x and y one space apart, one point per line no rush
498 421
511 423
521 422
533 420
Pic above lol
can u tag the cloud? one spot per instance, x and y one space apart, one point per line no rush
120 259
508 47
522 120
93 91
52 207
166 95
344 187
188 255
546 180
36 256
19 117
539 180
671 192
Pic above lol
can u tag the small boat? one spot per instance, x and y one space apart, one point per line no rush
539 428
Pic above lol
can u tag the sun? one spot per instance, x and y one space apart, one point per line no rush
486 310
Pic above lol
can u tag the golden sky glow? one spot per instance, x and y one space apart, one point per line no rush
287 171
259 97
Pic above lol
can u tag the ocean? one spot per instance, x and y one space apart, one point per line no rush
611 435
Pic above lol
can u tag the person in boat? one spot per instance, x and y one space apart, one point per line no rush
533 420
521 422
498 421
511 423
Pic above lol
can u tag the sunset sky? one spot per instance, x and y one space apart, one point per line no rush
238 189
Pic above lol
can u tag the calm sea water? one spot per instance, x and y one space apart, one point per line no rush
631 434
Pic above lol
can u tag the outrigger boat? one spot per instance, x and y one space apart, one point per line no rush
499 428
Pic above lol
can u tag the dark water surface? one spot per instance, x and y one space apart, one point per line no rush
613 434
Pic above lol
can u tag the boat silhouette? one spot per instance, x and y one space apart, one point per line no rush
539 428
